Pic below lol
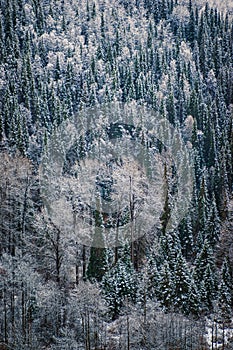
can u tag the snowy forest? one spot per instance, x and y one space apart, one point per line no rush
168 285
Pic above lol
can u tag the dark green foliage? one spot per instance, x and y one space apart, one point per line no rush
225 295
187 237
226 276
181 285
204 259
208 288
98 259
120 285
170 244
166 287
58 57
205 276
224 304
151 278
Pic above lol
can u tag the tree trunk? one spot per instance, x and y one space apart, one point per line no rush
84 262
5 316
128 335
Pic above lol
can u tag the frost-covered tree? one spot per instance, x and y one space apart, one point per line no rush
166 287
205 276
56 59
17 208
183 287
119 285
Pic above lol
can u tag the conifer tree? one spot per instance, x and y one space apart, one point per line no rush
170 244
191 30
153 278
97 266
205 276
120 285
203 206
181 285
214 224
226 276
57 70
193 303
208 288
186 236
224 304
204 258
166 287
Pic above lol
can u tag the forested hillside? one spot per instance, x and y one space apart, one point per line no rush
171 287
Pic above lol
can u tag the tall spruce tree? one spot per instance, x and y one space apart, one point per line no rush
120 285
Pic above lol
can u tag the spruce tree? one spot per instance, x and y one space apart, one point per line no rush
205 276
204 258
181 285
120 285
170 244
153 278
98 257
226 276
193 303
166 286
214 224
208 290
224 304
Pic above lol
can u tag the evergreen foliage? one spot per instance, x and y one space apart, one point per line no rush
120 285
58 58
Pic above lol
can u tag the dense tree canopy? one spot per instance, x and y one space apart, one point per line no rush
58 58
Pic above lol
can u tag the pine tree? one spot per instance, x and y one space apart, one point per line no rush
166 286
43 53
9 26
120 285
205 276
98 257
170 107
193 303
203 207
40 21
25 86
191 30
208 288
214 224
167 205
57 70
153 278
226 276
224 304
170 244
186 236
181 285
204 258
2 40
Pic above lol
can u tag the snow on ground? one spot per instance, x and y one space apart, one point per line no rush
217 335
